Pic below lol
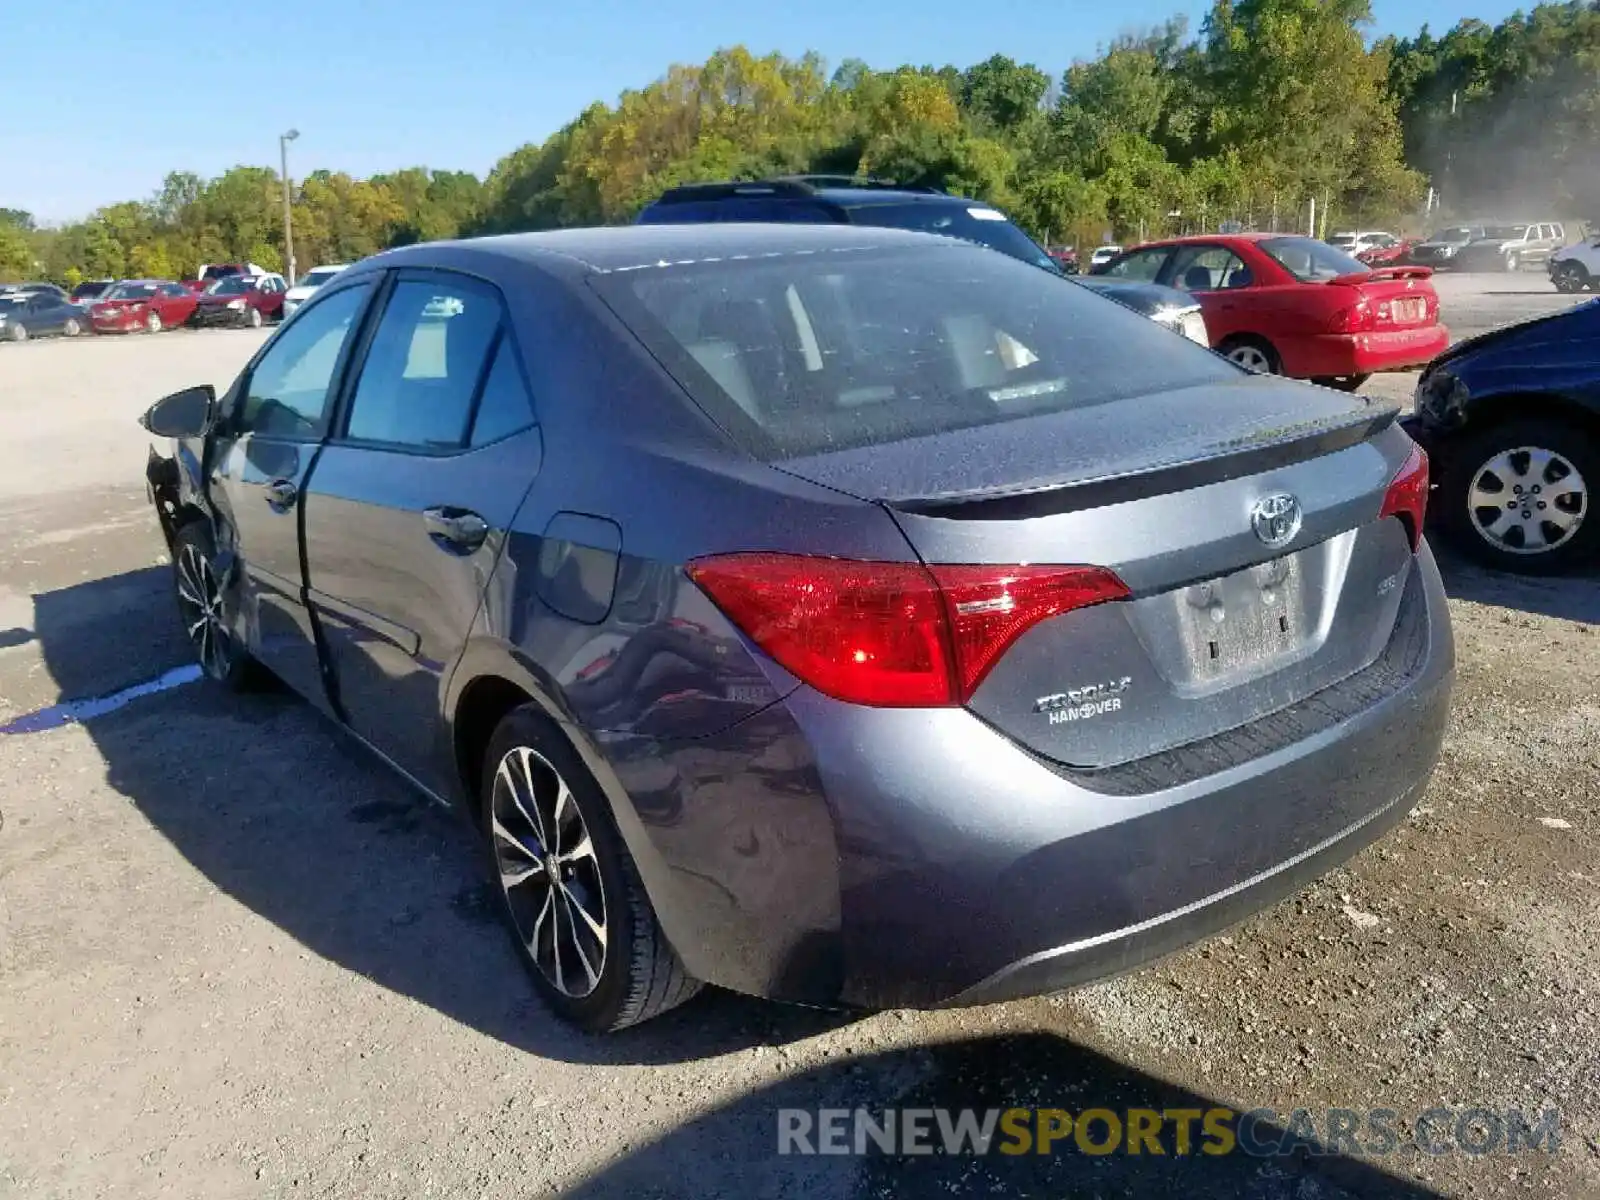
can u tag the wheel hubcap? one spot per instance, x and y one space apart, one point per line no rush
548 872
1250 357
1527 500
200 598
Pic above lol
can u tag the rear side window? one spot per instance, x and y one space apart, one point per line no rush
1309 260
504 408
970 222
804 353
425 363
1208 269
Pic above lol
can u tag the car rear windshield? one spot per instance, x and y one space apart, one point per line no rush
970 222
88 291
1309 260
1505 231
1342 240
132 291
805 353
318 277
233 285
1455 233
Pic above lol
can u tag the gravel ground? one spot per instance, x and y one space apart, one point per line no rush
239 959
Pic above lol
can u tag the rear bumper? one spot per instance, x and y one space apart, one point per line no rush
879 857
1365 353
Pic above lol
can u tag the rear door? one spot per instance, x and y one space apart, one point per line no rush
259 460
175 303
406 511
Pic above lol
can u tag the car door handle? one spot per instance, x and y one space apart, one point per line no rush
455 529
281 495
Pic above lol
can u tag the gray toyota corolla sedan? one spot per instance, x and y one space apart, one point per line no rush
840 615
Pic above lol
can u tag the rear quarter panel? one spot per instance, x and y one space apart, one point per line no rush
676 714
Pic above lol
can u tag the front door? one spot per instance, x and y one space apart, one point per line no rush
1220 281
276 418
407 508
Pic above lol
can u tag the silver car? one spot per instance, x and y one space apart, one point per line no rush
836 614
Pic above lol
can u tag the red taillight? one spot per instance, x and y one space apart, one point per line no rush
1353 318
892 635
1407 497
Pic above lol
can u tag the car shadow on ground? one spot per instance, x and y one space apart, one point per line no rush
1565 597
286 814
733 1150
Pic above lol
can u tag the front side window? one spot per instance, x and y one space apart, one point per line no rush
425 364
1142 265
804 353
288 392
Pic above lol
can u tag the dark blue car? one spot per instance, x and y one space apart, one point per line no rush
1512 420
38 314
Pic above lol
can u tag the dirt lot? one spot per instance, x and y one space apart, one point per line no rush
239 959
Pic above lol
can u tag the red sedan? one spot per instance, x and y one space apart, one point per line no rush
142 305
1296 306
1394 255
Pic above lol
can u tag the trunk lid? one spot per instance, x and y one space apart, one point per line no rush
1389 298
1224 625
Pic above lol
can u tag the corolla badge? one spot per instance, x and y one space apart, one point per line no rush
1276 519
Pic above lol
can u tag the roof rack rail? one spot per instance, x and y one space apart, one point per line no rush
787 186
687 192
864 182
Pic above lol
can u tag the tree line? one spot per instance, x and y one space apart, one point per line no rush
1271 105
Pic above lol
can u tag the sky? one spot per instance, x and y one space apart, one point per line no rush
107 98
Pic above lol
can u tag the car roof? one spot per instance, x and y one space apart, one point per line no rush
608 249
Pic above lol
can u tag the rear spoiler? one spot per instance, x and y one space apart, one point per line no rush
1384 273
1268 450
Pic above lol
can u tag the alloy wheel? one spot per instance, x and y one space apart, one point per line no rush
1527 500
71 329
200 601
152 322
546 864
18 334
1252 358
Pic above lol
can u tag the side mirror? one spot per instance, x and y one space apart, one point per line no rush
186 414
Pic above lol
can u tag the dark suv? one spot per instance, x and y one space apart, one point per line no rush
845 200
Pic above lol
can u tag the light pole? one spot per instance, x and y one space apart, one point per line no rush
288 225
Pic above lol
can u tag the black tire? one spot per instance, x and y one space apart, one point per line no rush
640 976
224 660
1460 463
1571 278
1248 345
1343 383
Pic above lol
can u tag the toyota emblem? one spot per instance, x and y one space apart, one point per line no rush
1276 519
